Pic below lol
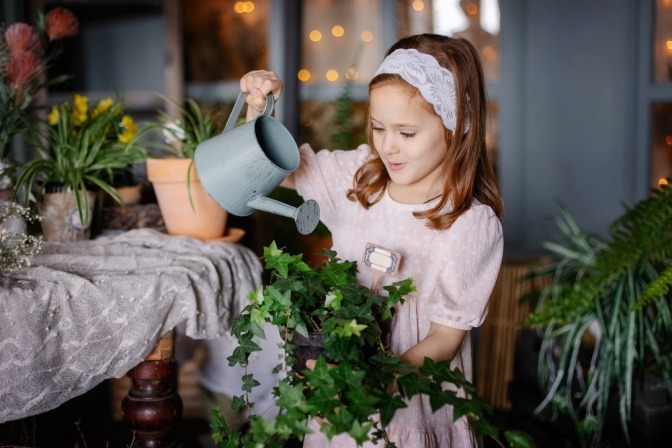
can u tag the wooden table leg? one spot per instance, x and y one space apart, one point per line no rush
153 406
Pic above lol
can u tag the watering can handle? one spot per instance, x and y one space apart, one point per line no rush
235 113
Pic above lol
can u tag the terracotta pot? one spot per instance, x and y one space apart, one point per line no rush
205 220
60 216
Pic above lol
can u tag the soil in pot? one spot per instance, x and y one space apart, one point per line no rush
306 348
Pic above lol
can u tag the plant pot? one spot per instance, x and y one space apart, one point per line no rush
305 349
60 216
205 219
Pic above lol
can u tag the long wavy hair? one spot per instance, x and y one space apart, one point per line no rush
469 172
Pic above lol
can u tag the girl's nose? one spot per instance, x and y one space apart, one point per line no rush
389 146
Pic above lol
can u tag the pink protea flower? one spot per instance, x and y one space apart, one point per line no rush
23 67
60 23
22 37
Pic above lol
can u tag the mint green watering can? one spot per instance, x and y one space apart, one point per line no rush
243 164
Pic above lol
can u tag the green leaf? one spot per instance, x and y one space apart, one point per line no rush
345 377
519 439
320 375
351 328
249 382
361 404
389 406
333 299
288 395
238 403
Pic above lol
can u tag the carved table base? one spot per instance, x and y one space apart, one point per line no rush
152 406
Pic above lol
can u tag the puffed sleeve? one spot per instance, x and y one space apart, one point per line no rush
469 270
326 177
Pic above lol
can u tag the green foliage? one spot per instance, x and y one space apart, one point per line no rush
81 147
618 289
362 376
183 134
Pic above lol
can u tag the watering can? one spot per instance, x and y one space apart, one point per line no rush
243 164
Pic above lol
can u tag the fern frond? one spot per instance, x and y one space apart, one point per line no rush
656 289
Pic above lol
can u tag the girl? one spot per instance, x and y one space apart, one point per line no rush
423 187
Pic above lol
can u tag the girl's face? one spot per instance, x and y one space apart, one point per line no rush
410 141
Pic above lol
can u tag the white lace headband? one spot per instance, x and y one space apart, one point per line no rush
435 83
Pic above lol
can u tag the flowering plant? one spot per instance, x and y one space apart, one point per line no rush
25 54
183 134
16 248
82 147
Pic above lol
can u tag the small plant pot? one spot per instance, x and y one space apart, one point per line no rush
60 216
305 349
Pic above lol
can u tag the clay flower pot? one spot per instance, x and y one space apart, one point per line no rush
175 182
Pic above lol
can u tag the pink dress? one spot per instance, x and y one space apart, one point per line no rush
454 272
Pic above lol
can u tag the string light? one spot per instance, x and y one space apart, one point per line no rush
337 31
662 181
367 36
418 5
315 36
332 75
243 7
303 75
352 74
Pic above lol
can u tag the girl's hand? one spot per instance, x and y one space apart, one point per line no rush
257 84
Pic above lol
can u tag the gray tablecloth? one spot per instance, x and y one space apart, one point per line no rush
92 310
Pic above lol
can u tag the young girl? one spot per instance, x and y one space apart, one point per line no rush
423 187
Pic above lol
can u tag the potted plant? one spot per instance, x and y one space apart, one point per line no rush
605 318
79 150
25 54
356 375
186 207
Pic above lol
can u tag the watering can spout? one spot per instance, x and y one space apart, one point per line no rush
243 164
306 216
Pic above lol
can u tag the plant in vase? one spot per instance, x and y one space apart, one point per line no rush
356 376
79 150
26 52
186 207
605 317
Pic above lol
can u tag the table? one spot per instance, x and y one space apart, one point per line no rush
93 310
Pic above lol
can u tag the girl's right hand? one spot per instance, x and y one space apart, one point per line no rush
257 84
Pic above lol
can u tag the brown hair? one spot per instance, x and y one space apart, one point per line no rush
470 173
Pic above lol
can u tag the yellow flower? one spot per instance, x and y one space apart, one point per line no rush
80 109
103 106
130 129
53 116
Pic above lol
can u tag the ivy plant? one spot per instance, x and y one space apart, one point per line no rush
361 377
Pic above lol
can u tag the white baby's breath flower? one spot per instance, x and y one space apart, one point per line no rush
17 248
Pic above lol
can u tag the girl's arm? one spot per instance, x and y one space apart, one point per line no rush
258 84
441 344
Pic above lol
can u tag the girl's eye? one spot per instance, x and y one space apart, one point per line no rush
408 134
377 129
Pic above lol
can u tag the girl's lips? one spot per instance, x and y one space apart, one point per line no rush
395 166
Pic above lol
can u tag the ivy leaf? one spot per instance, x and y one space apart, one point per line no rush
519 439
361 404
389 406
280 263
238 404
320 374
345 377
360 432
351 328
290 396
333 299
249 382
280 297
